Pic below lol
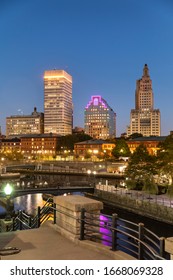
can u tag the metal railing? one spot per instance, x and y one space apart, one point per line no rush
119 234
164 200
23 221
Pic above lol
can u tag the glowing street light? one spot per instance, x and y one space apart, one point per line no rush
8 191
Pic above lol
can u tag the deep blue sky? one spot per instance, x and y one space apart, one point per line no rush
103 45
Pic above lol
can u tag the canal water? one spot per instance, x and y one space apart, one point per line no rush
28 203
159 228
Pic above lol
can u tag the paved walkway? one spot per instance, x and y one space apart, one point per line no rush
45 243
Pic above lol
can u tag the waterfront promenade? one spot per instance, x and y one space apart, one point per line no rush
45 243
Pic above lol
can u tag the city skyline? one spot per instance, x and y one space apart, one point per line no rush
103 47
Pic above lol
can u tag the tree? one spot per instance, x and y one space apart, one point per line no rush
141 167
135 135
150 186
121 149
67 142
165 157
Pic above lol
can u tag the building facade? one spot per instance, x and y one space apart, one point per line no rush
100 119
10 145
151 143
58 107
41 144
25 124
93 148
144 118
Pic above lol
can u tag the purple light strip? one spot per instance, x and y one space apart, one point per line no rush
91 102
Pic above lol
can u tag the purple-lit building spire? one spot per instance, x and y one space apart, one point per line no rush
100 119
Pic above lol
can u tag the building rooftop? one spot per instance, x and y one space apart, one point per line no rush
148 138
34 114
93 142
45 135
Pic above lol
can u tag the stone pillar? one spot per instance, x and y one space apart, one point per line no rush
69 211
169 246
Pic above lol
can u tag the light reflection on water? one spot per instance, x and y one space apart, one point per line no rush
28 203
122 239
105 222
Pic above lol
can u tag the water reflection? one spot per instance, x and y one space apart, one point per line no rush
28 203
105 223
122 240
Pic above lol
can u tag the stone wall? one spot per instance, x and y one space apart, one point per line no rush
68 213
141 207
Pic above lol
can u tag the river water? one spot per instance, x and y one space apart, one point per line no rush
28 203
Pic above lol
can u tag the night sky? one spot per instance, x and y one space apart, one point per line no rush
102 44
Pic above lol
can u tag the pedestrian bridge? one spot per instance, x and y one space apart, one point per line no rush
49 190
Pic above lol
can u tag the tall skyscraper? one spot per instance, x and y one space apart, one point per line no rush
58 108
144 118
100 119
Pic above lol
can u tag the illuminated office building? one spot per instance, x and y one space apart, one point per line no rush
18 125
144 118
58 108
100 119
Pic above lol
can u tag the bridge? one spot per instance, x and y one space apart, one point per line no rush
31 169
50 190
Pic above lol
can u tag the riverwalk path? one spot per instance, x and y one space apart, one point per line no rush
45 243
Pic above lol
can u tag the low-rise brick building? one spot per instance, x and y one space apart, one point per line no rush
41 144
93 148
151 143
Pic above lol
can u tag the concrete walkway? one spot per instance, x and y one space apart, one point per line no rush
45 243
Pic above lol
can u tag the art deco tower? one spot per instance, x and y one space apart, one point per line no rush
58 108
100 119
144 118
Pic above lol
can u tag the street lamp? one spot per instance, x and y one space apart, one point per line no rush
8 190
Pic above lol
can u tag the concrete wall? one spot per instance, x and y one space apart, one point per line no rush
141 207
